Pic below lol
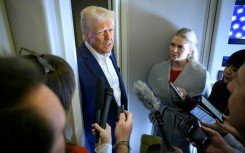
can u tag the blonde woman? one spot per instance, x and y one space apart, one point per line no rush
183 70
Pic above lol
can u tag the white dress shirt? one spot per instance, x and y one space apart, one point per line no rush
109 71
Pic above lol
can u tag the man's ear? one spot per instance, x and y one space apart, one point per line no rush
85 35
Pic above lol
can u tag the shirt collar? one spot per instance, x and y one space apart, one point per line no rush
97 55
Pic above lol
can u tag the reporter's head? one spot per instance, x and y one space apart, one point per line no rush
236 102
32 118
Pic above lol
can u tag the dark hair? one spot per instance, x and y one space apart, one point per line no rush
22 129
61 80
16 79
237 59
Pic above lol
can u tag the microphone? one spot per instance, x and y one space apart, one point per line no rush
99 102
146 96
163 131
108 98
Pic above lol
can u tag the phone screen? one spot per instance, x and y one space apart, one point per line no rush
212 109
202 115
175 89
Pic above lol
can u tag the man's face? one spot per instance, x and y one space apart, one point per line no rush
236 102
49 107
101 37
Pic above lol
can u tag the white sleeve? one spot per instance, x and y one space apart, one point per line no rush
104 148
233 142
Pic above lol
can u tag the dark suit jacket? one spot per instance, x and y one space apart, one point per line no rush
89 70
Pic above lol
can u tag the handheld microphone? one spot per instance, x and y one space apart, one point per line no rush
99 101
163 131
146 96
108 98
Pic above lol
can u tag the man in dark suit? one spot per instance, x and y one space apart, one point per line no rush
95 59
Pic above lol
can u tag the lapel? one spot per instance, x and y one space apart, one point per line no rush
92 64
95 69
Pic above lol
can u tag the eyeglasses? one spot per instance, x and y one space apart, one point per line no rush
47 67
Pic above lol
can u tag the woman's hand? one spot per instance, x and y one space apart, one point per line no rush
182 93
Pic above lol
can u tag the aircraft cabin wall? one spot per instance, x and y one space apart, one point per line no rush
146 30
151 26
146 38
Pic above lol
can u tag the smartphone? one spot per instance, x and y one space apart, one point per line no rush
175 90
119 111
210 108
201 114
194 133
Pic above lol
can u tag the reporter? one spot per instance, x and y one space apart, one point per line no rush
220 95
58 75
32 118
236 103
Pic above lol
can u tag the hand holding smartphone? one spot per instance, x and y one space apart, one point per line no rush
119 111
175 90
194 133
212 109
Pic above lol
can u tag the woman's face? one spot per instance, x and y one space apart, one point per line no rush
230 72
48 105
179 49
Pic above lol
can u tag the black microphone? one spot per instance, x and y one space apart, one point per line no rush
99 102
108 98
163 131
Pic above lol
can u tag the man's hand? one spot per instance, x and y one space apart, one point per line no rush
124 126
105 134
217 144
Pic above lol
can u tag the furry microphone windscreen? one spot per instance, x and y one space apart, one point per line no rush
146 96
